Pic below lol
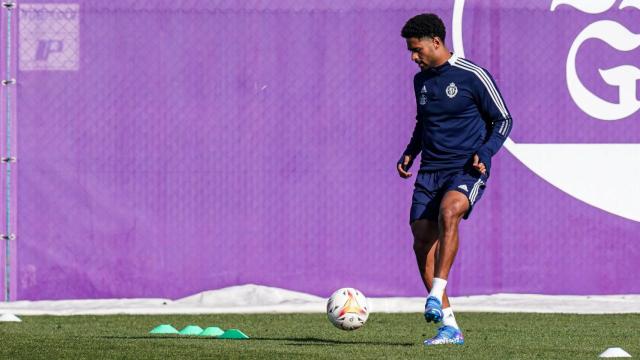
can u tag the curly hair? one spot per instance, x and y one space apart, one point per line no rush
424 25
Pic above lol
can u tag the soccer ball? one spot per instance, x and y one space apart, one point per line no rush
347 309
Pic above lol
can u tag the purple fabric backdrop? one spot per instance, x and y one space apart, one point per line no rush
171 147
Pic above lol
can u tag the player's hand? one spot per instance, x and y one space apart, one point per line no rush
478 165
405 162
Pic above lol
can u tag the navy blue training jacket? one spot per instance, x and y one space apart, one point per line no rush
460 113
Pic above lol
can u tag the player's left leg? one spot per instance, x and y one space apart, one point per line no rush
425 233
453 207
425 247
463 191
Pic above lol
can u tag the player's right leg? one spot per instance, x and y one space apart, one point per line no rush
447 335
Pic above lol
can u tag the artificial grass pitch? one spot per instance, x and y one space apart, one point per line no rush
311 336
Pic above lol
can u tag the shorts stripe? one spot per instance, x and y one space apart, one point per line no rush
474 192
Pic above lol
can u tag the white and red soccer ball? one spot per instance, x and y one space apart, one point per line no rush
347 309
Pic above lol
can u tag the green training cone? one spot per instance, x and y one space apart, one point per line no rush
233 334
164 329
212 331
191 330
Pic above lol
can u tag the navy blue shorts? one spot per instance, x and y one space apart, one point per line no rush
431 186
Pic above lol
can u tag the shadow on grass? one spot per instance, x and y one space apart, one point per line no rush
305 341
323 342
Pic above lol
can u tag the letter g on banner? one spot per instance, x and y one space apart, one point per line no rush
624 76
563 164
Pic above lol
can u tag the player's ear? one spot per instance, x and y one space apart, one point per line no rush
437 42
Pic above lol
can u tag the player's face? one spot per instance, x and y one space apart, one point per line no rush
423 51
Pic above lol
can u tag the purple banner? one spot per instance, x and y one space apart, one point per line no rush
171 147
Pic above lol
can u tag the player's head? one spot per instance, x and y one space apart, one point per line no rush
425 35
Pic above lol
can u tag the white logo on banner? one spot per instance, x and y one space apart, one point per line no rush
563 165
49 37
624 76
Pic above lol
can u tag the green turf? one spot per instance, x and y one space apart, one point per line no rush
399 336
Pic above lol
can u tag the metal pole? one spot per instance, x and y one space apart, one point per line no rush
7 159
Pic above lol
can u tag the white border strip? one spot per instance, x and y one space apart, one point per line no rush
252 299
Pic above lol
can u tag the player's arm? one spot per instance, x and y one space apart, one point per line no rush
415 144
413 149
494 111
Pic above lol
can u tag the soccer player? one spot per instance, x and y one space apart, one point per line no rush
462 121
